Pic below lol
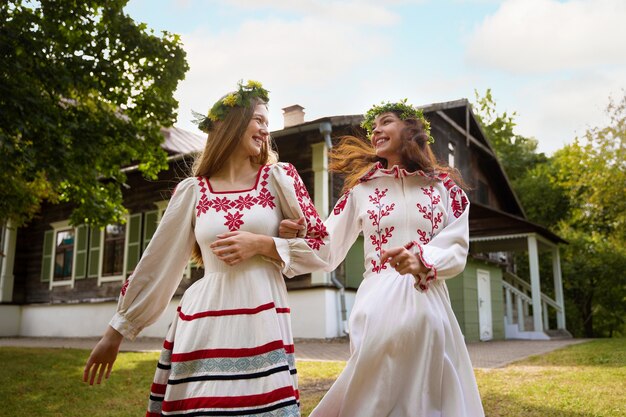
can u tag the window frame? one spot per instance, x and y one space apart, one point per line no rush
113 278
56 228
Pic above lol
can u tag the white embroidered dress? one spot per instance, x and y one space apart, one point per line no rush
229 352
408 356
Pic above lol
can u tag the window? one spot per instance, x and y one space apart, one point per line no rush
64 255
109 251
113 250
451 154
109 254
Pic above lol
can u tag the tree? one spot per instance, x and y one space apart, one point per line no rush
592 171
578 193
516 153
84 91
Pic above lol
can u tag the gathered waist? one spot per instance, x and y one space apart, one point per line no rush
257 263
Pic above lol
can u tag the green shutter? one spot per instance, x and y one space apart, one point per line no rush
150 223
94 253
46 262
133 241
81 246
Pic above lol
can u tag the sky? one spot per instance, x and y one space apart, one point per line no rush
555 64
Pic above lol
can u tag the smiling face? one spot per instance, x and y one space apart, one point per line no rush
257 133
387 138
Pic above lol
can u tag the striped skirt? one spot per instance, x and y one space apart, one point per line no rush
228 356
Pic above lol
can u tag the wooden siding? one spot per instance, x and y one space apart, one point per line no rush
28 286
463 291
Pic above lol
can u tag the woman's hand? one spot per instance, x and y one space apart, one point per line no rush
102 357
403 261
235 247
289 229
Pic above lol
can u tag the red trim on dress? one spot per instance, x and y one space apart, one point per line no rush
256 182
233 312
422 280
230 402
158 388
231 353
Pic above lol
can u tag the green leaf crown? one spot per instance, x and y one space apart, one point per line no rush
403 110
239 98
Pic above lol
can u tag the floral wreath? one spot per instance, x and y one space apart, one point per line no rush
239 98
402 109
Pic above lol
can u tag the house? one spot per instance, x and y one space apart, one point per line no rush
54 276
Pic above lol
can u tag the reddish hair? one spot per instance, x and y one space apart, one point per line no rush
355 156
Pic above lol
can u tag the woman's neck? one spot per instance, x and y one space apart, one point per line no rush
235 173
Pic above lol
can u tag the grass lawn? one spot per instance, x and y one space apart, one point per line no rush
588 379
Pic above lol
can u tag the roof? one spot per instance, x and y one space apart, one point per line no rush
179 141
488 223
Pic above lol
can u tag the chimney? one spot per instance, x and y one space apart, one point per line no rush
293 115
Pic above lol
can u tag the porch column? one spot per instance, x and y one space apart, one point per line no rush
9 235
320 194
533 260
558 288
546 323
520 313
509 307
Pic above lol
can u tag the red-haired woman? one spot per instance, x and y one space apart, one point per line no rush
409 357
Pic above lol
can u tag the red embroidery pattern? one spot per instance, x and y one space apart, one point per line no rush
341 204
422 280
428 212
316 231
234 220
381 237
125 286
371 172
459 201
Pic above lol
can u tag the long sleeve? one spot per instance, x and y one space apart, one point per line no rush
343 226
446 254
148 291
309 251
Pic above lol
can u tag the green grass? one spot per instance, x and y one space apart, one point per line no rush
588 379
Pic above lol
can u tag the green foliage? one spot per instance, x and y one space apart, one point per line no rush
84 91
592 171
516 153
578 193
402 109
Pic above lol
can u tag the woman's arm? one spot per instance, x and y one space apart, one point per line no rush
103 356
235 247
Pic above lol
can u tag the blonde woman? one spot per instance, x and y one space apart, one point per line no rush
230 349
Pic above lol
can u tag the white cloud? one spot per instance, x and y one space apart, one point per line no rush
536 36
557 111
298 61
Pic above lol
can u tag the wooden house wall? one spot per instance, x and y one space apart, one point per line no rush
28 286
463 290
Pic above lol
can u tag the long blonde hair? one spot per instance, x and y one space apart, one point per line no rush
354 156
224 137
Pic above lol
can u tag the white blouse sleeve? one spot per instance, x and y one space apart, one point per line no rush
446 254
309 251
148 291
343 227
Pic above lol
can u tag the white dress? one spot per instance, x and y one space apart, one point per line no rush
408 356
229 352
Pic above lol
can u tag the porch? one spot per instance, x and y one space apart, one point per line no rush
529 311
